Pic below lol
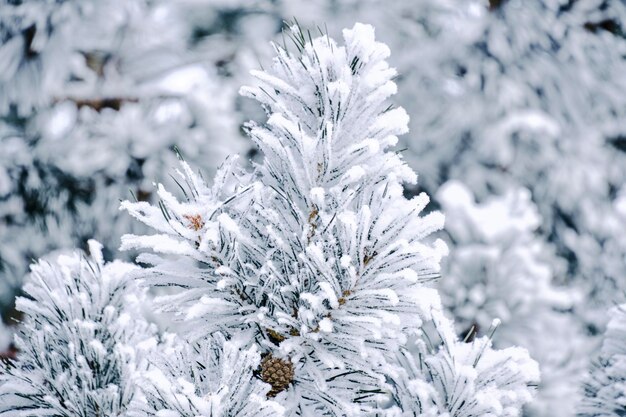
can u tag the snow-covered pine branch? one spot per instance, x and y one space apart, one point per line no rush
317 257
213 377
81 341
500 267
605 388
450 377
93 96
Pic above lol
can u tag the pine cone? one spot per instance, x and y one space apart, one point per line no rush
276 372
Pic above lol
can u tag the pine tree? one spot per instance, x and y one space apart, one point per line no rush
503 95
524 93
605 388
81 343
500 267
94 95
521 94
317 259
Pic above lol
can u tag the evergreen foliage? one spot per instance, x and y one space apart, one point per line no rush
605 388
81 343
94 96
316 257
211 378
500 267
518 102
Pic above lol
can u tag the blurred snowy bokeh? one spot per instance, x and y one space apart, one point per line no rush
94 98
521 104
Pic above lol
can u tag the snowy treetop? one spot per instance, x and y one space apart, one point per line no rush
329 118
316 257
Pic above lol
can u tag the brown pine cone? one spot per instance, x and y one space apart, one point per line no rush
276 372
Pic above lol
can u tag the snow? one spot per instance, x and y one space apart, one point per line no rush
516 129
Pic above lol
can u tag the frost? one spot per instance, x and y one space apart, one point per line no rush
500 268
605 386
519 102
213 378
228 223
327 261
94 97
81 343
317 196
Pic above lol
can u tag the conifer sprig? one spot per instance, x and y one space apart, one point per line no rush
317 258
82 341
